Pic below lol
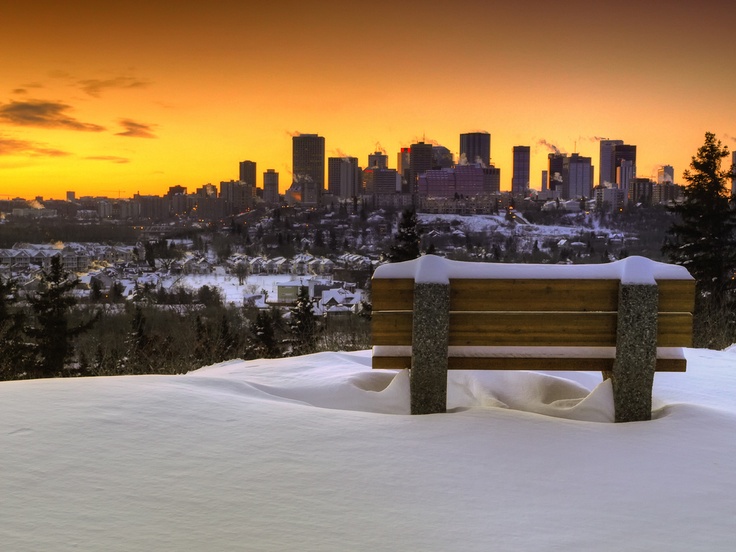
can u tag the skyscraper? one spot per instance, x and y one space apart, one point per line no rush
378 160
578 177
665 173
624 152
271 186
248 173
520 177
733 173
308 162
607 169
476 146
343 177
420 161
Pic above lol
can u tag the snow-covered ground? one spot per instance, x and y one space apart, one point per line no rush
318 453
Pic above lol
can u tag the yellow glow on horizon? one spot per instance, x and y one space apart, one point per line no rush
214 95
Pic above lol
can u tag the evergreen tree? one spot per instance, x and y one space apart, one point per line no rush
406 243
17 354
303 325
263 330
51 307
703 238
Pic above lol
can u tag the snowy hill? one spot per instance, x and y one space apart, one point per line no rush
317 453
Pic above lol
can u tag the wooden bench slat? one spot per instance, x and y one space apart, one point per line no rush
528 294
586 329
533 295
547 364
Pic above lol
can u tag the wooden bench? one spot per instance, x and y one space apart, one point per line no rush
484 316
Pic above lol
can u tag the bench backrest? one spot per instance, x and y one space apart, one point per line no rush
518 312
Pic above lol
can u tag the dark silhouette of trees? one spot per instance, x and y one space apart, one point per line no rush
406 242
703 237
52 331
303 325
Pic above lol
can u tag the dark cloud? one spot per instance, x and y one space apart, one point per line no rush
111 158
95 87
11 146
20 91
135 129
44 114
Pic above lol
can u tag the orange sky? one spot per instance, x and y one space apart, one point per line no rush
116 98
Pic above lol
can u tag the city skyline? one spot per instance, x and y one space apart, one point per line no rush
115 100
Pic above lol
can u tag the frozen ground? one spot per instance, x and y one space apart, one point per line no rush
318 453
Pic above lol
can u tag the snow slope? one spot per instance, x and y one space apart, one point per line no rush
318 453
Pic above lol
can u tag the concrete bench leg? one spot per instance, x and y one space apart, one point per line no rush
429 348
636 352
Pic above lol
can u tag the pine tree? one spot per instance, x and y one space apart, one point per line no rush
263 331
406 243
51 307
703 239
303 325
17 353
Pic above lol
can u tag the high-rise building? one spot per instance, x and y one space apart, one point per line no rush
607 170
476 147
386 181
420 161
520 176
237 195
271 186
403 167
378 160
625 174
441 158
665 173
247 173
556 168
308 163
623 152
578 177
733 173
71 196
343 177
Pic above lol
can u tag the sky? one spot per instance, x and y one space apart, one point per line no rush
318 453
118 98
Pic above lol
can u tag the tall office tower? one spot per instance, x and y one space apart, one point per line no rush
237 195
578 177
441 158
625 174
403 163
71 196
607 170
271 186
520 177
476 146
308 164
386 181
665 173
420 161
248 173
378 160
343 177
491 180
733 173
556 168
640 191
544 181
621 153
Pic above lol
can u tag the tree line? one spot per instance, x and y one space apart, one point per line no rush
51 333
